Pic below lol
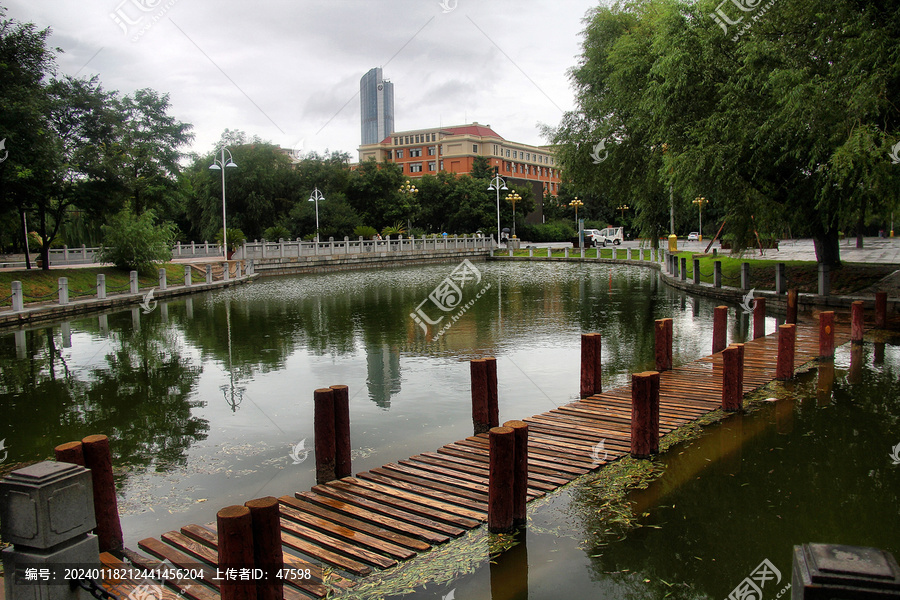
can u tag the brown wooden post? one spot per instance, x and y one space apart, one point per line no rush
590 362
856 322
323 428
854 375
880 310
663 332
792 300
70 452
826 334
720 324
98 458
235 531
342 466
501 479
759 318
644 414
479 373
732 378
493 398
520 475
265 519
787 341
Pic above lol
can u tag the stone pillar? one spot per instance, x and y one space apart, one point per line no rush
837 571
101 286
162 279
225 273
208 273
780 279
696 271
824 280
745 276
717 273
47 513
187 275
63 291
133 282
684 268
346 245
18 298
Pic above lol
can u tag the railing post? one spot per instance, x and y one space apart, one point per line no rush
324 428
644 414
501 479
759 318
793 298
187 275
162 279
234 526
566 254
101 286
720 324
663 344
346 245
717 273
209 273
177 248
696 271
133 282
880 310
331 245
826 334
265 522
745 276
225 273
780 278
683 268
18 298
857 326
591 382
98 458
675 274
824 279
63 287
531 251
733 378
520 472
787 340
549 252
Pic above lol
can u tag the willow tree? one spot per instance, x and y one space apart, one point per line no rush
780 113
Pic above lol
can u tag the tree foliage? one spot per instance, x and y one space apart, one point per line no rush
135 241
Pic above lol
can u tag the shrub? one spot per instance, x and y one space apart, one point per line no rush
136 242
273 234
236 238
365 232
554 231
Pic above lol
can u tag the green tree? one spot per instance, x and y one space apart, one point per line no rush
135 241
481 168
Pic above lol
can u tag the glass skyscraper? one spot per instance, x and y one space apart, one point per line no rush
376 106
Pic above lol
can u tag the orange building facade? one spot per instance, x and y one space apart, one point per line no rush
453 149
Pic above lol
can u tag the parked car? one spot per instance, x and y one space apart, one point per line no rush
693 236
610 235
590 235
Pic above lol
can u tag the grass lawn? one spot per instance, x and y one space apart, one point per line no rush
39 285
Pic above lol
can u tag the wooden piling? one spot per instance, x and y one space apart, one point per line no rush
732 378
478 371
720 324
663 332
98 458
644 414
520 475
759 318
857 327
265 520
70 452
342 446
501 479
792 301
493 397
323 427
590 364
787 342
854 374
880 310
826 334
235 530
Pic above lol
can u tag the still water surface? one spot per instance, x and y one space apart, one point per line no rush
206 400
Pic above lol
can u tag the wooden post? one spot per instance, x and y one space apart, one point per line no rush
590 364
732 378
493 399
265 519
759 318
520 475
792 301
501 479
787 340
342 466
720 323
856 322
880 310
70 452
826 334
854 375
479 375
663 333
98 458
235 530
644 414
323 426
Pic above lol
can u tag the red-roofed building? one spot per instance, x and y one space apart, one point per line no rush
453 149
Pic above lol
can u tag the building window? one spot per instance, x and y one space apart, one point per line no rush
415 152
390 155
415 167
515 154
431 166
475 148
430 150
442 165
399 153
406 139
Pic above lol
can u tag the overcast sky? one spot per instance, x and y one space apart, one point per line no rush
289 70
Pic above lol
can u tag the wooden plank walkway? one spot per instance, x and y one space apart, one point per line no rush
389 514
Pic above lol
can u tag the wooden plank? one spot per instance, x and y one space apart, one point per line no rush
337 545
416 504
422 487
326 556
123 588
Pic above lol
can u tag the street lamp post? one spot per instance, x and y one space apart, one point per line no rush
220 164
577 204
497 183
623 208
699 201
408 189
514 197
315 197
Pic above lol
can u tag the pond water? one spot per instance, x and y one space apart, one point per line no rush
207 399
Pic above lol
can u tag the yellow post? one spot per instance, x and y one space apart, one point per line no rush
673 242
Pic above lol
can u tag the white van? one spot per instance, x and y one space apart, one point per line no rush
610 235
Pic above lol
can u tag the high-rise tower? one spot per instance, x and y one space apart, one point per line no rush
376 106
